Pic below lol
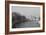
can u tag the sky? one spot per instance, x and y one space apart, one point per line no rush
27 11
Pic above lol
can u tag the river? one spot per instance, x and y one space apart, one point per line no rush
28 24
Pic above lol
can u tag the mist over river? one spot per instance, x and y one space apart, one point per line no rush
23 16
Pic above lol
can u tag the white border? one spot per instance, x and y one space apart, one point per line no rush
22 29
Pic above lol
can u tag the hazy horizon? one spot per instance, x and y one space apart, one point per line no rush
27 11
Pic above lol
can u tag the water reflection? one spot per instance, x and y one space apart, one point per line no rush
28 24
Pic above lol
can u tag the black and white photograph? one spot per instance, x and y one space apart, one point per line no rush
25 17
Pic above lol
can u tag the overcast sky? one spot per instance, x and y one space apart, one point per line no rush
26 11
